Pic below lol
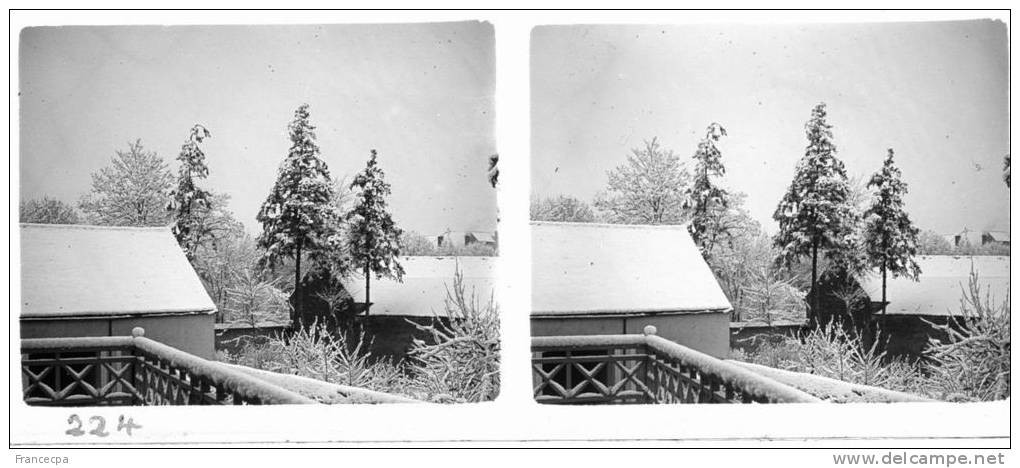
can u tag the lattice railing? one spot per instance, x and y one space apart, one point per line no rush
622 369
134 371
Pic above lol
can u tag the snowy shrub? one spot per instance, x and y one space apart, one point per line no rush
316 353
830 351
253 301
460 362
973 362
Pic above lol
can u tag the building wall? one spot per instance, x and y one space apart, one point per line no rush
908 335
707 332
393 336
190 333
452 239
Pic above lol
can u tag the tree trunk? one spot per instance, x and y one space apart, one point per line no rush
813 314
297 288
883 285
368 289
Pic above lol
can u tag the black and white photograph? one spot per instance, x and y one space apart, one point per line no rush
270 231
771 213
254 215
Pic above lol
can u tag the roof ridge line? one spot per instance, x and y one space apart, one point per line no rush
95 227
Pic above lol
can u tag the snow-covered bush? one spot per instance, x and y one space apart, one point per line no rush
316 353
460 361
830 351
457 362
973 362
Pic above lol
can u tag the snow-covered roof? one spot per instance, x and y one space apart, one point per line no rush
582 269
998 236
484 236
83 271
940 287
425 284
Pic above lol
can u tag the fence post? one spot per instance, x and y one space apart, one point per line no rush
137 367
651 379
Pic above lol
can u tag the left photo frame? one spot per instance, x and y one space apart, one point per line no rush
264 214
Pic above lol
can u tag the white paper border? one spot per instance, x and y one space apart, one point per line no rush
514 417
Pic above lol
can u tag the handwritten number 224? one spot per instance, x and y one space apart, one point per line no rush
99 426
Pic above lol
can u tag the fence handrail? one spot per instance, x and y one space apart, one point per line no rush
570 342
747 381
83 343
316 387
238 382
221 375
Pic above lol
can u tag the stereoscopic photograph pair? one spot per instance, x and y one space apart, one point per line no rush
719 213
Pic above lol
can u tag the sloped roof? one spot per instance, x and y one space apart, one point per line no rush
484 236
582 269
79 271
426 281
998 236
940 287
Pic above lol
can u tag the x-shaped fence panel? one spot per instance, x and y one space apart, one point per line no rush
628 369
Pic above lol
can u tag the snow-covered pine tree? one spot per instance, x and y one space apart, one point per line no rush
187 198
705 199
890 239
815 216
298 217
374 238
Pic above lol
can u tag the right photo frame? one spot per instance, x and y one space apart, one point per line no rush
780 213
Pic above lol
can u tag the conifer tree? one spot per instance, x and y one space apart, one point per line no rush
815 217
705 200
374 238
298 218
890 239
187 199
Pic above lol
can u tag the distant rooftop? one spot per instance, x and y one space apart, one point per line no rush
941 284
582 269
81 271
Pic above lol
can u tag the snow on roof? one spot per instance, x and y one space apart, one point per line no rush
426 281
581 269
998 236
484 236
940 287
77 270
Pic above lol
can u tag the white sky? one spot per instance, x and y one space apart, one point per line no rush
937 93
422 95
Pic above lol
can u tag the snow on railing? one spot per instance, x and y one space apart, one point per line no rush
135 370
644 369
